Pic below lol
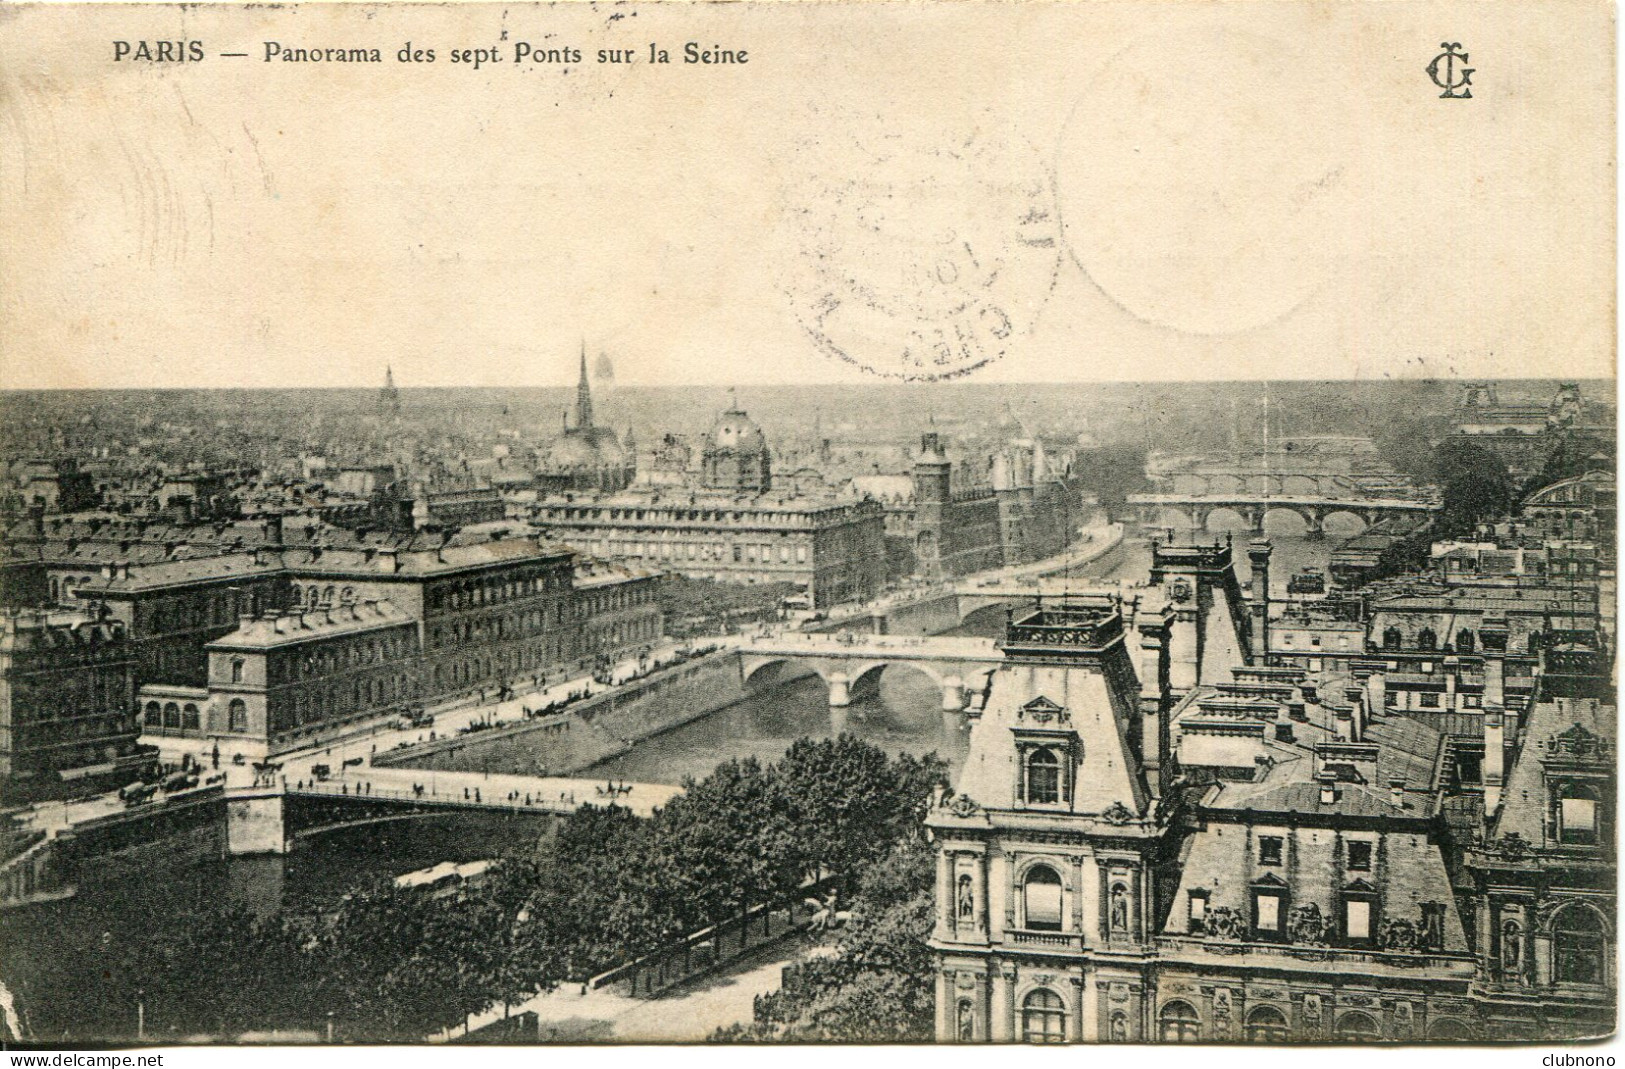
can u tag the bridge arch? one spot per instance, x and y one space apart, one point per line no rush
765 673
1287 521
1169 516
1227 518
1346 521
865 678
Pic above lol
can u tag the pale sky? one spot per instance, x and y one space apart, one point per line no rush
1230 190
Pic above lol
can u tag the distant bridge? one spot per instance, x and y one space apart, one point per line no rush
1194 510
851 664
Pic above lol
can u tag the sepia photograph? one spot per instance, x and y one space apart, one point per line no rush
808 523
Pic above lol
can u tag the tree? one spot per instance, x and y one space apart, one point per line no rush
1475 483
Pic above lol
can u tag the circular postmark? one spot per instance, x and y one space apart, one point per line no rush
915 251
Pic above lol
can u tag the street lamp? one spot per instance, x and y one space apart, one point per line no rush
140 1014
330 1026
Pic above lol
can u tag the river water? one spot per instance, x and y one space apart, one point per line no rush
49 954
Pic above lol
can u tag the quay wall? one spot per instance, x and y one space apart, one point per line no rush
590 731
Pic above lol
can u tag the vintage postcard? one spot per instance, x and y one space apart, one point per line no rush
603 523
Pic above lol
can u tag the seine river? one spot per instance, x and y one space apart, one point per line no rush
49 954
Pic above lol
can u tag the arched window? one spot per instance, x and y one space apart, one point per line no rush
1043 1017
172 715
1577 814
1579 943
237 713
236 669
1450 1030
1464 641
1043 776
1178 1023
1266 1024
155 716
189 717
1391 638
1041 897
1427 639
1356 1027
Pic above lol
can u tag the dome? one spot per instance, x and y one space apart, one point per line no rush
584 449
736 431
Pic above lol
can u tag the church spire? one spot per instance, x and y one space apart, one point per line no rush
583 394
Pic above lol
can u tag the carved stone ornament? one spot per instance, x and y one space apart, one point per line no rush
1306 926
1511 847
1045 979
1180 591
1225 922
1311 1008
1399 934
963 806
1221 1003
1118 813
1577 742
965 981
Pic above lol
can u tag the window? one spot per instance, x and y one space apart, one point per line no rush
1359 856
1043 776
1451 1030
1429 699
1269 850
1464 641
1391 638
1579 944
1267 913
1266 1024
1041 897
1198 911
1577 815
1357 919
1358 1028
189 717
1427 639
1043 1017
155 715
172 715
236 669
238 715
1179 1024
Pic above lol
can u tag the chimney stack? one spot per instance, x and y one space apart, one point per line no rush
1328 788
1155 697
1258 598
1396 793
1494 758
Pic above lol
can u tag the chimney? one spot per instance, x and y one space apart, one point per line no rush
1396 793
1494 759
1328 788
1343 723
1258 598
1283 725
279 623
388 562
1376 702
1355 696
1155 698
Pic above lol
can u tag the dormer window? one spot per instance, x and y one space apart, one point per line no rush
1198 910
1269 909
1359 913
1269 849
1577 815
1043 776
1359 859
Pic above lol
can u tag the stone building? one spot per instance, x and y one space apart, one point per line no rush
585 456
487 612
833 548
67 701
1179 852
287 678
736 458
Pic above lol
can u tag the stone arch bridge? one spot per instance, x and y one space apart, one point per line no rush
1193 510
851 664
